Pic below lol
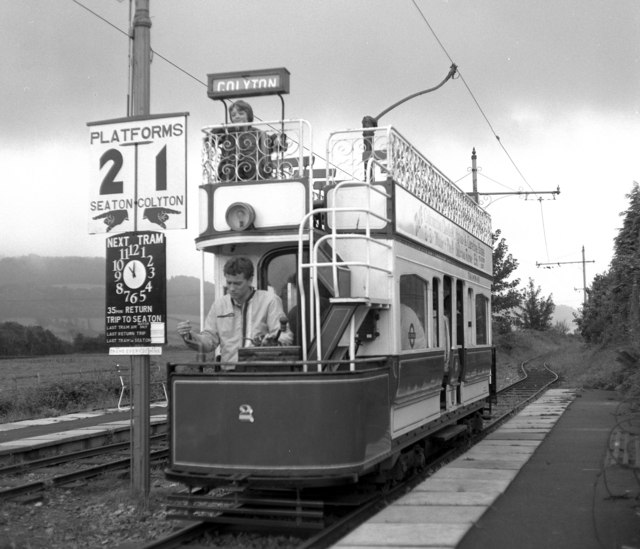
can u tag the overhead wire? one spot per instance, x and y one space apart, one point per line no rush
424 18
484 115
475 100
128 35
544 230
495 181
165 59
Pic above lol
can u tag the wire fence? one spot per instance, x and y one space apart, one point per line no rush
106 376
12 383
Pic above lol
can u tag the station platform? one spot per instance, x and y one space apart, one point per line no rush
554 476
77 431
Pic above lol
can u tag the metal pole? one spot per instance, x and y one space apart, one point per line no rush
141 364
474 175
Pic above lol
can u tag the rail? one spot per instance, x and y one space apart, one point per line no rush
299 366
378 153
260 151
338 262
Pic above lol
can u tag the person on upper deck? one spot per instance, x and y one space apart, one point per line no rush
243 317
245 151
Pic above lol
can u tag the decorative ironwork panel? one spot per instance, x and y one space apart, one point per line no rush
257 152
374 153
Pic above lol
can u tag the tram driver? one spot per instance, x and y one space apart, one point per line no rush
243 317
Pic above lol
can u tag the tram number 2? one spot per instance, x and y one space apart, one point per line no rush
110 184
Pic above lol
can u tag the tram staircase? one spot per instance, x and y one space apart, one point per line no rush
354 289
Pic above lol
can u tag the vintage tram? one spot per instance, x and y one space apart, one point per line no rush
384 269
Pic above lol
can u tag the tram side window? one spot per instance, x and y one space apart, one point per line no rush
435 325
413 312
460 313
482 312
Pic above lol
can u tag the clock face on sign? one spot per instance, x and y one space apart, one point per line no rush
134 274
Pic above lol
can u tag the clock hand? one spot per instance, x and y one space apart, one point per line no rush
132 268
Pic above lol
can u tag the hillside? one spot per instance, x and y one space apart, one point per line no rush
565 314
66 295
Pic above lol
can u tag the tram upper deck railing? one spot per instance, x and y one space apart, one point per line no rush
261 151
376 153
282 150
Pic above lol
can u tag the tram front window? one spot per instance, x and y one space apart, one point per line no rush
279 276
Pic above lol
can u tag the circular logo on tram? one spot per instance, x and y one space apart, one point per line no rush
412 335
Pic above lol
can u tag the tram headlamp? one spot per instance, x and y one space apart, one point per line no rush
240 216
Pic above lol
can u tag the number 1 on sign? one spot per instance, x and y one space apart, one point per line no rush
109 183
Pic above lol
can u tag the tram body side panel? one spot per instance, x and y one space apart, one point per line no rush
302 424
476 374
417 398
477 364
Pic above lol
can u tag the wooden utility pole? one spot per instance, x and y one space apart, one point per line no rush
141 364
584 272
141 69
584 281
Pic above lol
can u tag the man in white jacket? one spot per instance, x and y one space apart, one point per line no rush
243 317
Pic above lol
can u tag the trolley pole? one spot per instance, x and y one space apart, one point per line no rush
140 364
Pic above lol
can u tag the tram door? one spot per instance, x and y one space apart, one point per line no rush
454 326
278 273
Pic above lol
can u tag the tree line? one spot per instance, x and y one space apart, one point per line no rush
611 314
511 306
19 340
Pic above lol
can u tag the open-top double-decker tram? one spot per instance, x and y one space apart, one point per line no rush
384 269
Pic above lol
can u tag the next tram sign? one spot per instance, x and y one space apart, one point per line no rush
141 174
228 85
136 307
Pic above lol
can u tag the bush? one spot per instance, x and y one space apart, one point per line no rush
63 397
55 399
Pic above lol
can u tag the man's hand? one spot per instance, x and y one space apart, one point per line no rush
184 329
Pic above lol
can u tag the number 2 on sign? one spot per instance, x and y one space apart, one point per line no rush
109 183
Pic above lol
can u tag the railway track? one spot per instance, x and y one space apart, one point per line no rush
11 476
322 523
511 399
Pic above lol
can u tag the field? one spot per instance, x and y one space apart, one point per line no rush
53 385
25 372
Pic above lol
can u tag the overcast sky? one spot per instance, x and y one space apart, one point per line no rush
557 80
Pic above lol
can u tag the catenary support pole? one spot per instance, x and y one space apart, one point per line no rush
474 175
584 281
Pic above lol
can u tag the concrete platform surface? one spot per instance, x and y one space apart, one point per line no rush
546 479
571 494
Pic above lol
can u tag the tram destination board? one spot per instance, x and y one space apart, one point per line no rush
136 292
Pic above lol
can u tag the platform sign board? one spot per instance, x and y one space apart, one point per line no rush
136 297
140 178
229 85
